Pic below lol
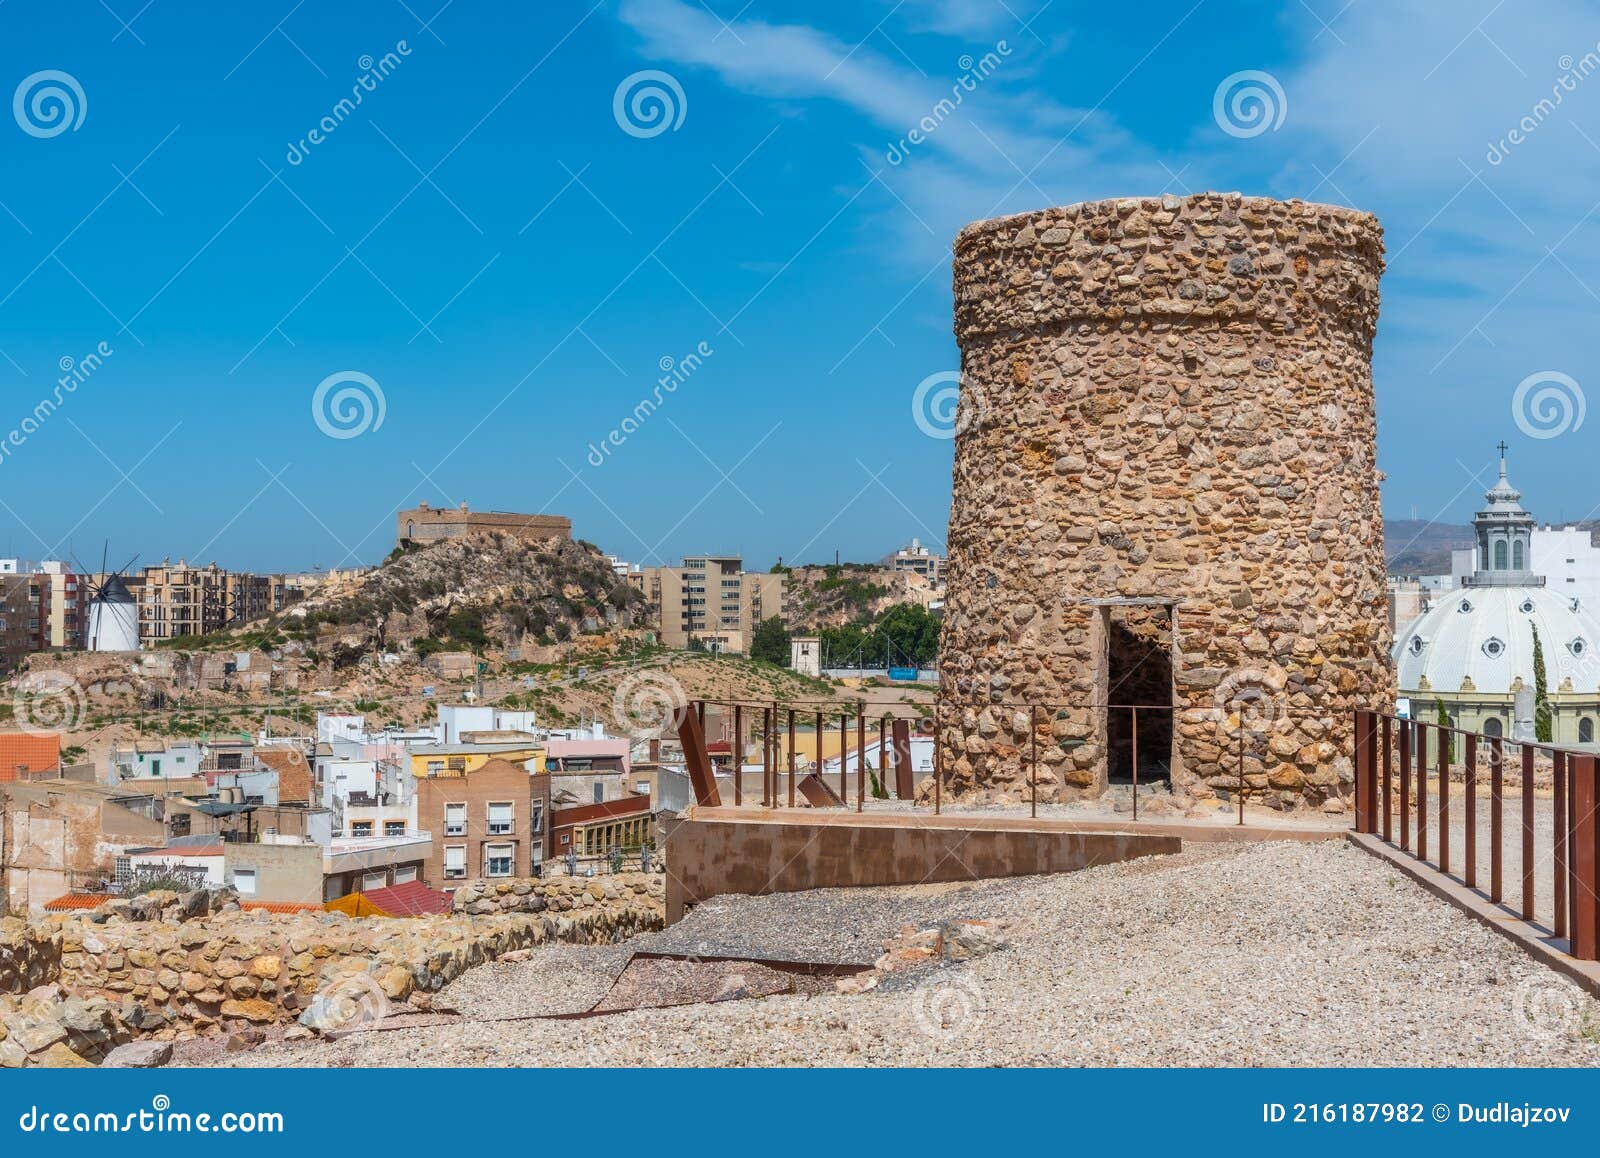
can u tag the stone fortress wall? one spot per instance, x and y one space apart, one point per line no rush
1166 441
424 524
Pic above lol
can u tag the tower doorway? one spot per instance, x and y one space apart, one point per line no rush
1139 692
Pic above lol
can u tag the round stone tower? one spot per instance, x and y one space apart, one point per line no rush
1165 527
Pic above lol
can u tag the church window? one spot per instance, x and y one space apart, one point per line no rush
1493 648
1576 647
1516 555
1493 727
1466 606
1527 607
1500 555
1586 731
1416 645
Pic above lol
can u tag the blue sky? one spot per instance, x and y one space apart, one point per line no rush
485 241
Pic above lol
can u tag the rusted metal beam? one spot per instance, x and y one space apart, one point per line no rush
905 784
701 776
861 757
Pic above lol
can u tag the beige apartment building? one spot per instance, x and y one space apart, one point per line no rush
711 599
178 599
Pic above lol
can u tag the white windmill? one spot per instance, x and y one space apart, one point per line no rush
113 615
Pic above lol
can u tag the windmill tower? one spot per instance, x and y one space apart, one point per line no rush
113 615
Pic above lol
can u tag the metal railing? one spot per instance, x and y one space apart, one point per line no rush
1558 840
774 726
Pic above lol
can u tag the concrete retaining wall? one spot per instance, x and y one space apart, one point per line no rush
711 857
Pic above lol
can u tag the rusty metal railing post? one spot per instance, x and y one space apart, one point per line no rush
1406 748
1582 829
1469 792
737 750
791 752
1446 739
883 755
1558 883
1527 832
1422 791
938 765
1496 813
1133 730
861 756
1241 768
844 747
1363 725
1033 763
1387 788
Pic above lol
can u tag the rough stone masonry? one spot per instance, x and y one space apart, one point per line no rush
1165 449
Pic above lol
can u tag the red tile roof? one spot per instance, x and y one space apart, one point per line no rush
625 806
31 751
75 901
412 899
294 773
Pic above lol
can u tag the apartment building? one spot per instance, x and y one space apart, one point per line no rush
489 822
178 599
916 559
24 616
711 600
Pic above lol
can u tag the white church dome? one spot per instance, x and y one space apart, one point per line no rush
1485 634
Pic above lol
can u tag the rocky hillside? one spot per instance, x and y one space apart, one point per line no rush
483 592
831 596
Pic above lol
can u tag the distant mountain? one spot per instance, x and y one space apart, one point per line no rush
1422 547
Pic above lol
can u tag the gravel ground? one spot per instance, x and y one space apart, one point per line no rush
1279 953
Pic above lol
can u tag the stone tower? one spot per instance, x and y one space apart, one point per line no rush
1165 498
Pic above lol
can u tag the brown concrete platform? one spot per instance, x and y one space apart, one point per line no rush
715 851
